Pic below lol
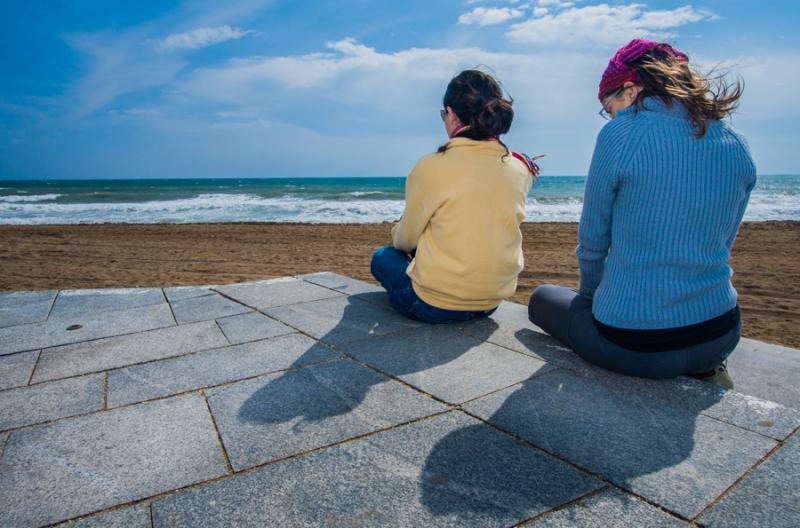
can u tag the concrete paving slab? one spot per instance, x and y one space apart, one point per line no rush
48 401
213 367
378 298
770 372
79 303
741 410
82 465
769 496
16 369
279 415
343 319
506 332
276 292
765 371
677 443
55 331
445 363
698 397
137 516
449 470
341 283
25 307
178 293
609 508
206 308
366 291
514 313
675 458
251 327
30 313
17 299
121 351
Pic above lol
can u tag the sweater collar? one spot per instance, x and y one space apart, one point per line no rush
473 143
655 104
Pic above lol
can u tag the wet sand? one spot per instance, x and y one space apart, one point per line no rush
766 260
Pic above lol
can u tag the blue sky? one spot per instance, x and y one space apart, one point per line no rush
259 88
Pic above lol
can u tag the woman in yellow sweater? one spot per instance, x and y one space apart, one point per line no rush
457 250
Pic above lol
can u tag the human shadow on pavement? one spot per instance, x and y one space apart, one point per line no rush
628 430
321 392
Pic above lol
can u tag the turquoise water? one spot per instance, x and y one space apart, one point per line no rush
311 200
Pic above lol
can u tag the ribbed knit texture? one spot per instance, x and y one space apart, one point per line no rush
664 207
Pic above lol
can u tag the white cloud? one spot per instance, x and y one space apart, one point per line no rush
202 37
605 24
351 95
540 11
242 79
555 3
486 16
402 87
134 111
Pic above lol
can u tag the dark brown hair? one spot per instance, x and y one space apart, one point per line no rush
705 97
478 101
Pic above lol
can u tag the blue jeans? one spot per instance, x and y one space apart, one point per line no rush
389 267
567 316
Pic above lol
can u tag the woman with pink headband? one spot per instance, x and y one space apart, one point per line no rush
664 198
457 251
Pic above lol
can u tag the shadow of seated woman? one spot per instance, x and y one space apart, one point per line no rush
323 391
639 434
480 475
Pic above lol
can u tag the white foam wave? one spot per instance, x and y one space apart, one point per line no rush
206 208
764 206
364 193
568 210
29 198
294 208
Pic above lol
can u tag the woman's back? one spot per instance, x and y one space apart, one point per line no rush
457 250
677 203
472 197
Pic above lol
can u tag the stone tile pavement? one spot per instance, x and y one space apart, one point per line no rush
306 401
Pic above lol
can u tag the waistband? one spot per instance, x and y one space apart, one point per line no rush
671 338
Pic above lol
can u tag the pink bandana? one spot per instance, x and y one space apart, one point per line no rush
618 72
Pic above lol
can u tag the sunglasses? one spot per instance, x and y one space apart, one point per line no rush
443 113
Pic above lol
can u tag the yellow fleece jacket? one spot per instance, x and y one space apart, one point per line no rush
462 214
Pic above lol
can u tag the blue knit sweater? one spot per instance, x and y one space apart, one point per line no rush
660 213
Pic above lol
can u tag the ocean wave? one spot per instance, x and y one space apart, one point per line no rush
364 193
206 208
29 198
765 206
220 207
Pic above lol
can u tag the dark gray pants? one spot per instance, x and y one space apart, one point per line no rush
567 316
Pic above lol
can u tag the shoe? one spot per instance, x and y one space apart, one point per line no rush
718 376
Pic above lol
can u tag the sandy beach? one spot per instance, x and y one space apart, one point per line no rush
766 260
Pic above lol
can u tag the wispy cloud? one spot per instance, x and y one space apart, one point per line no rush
555 3
486 16
118 64
134 60
202 37
605 24
134 111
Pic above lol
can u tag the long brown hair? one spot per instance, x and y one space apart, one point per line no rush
705 97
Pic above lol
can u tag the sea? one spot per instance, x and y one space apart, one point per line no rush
304 200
